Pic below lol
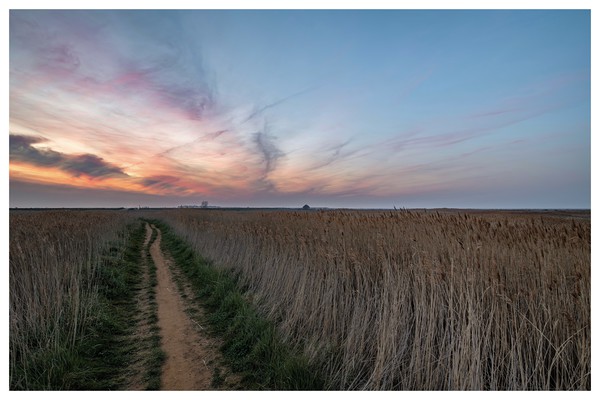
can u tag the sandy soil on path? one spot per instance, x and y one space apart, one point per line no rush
189 353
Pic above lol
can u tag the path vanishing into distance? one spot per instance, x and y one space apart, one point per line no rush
191 354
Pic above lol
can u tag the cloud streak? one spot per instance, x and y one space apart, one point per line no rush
268 150
276 103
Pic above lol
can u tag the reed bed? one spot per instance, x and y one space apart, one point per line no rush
410 300
54 261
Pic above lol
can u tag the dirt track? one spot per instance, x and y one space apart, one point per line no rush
193 361
189 353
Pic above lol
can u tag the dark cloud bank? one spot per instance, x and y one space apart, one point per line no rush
21 149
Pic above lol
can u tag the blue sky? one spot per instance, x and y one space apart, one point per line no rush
364 108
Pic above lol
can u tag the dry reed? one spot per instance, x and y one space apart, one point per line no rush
54 257
415 300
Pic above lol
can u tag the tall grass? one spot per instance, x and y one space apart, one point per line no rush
251 345
55 264
415 301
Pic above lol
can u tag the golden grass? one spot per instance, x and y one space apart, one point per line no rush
54 258
413 300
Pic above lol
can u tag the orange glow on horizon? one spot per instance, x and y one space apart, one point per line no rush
136 184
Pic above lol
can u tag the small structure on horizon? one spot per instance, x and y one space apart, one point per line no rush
306 207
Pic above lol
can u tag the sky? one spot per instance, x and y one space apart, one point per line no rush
281 108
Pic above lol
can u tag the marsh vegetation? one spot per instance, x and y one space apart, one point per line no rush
379 300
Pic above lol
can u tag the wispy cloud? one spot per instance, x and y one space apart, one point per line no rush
333 154
268 150
85 59
164 184
259 110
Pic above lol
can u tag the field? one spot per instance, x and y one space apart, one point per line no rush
378 300
58 259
